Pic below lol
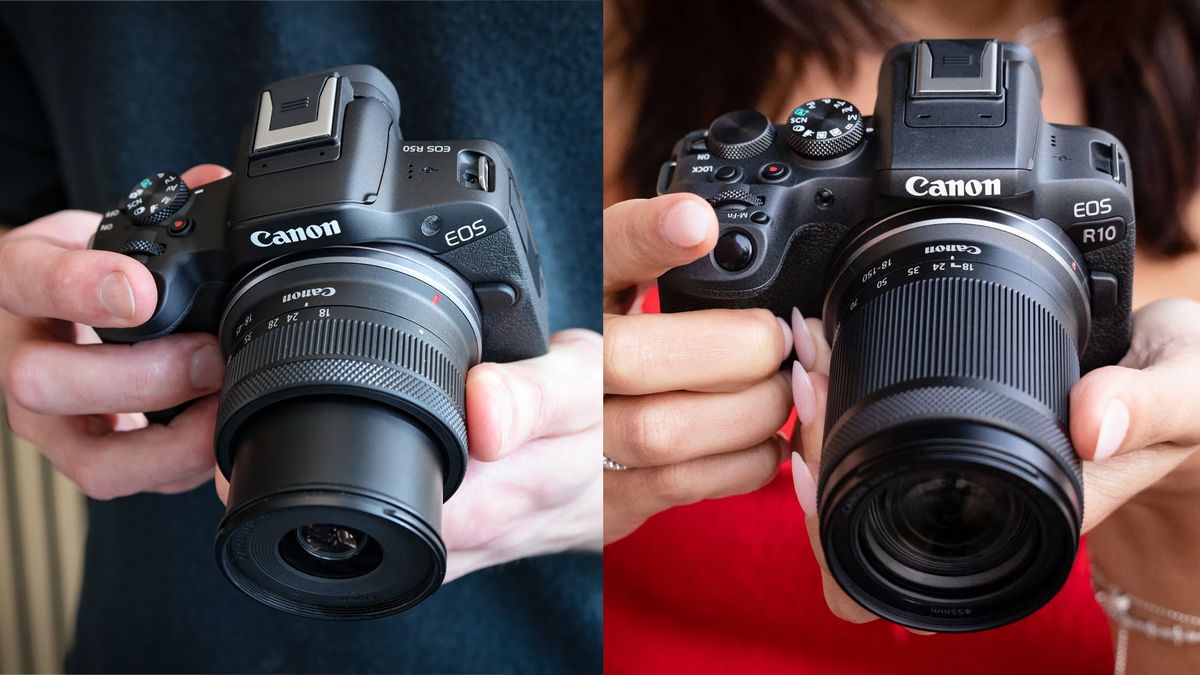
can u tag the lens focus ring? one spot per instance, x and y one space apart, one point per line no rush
953 328
940 402
391 362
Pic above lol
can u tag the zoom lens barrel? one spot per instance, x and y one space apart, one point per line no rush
342 428
950 495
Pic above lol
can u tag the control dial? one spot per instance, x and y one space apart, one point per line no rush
740 134
824 128
156 198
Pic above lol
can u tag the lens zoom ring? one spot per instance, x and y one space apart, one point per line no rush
953 327
938 403
348 352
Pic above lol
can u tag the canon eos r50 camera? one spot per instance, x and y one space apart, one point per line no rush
353 277
968 259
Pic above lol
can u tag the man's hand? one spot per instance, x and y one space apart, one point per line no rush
693 400
534 485
81 402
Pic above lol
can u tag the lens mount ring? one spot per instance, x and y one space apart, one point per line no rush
401 259
856 263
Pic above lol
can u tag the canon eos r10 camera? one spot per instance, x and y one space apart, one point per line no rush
353 277
968 260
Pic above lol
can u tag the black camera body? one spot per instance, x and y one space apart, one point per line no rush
969 261
353 278
348 178
983 144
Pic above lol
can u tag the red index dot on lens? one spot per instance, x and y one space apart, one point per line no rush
436 297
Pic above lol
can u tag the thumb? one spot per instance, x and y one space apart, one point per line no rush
1116 409
644 238
560 393
203 174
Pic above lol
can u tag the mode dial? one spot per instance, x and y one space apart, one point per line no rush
740 134
156 198
824 128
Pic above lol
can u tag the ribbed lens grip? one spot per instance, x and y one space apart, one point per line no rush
391 361
970 349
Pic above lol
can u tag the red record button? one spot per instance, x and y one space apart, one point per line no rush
774 171
179 227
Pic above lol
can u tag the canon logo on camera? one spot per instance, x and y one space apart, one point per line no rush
324 292
920 186
263 239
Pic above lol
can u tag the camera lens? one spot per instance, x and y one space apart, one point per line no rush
330 551
331 542
342 428
950 518
950 496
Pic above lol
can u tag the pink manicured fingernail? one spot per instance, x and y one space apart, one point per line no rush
806 487
803 394
1113 428
685 224
208 368
117 295
787 338
806 349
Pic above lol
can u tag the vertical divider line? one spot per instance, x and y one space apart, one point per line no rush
19 576
54 551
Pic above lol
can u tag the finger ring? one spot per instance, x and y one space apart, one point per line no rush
610 465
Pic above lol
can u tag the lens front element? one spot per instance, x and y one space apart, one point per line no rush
951 519
331 542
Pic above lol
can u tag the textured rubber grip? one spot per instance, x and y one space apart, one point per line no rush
953 348
388 361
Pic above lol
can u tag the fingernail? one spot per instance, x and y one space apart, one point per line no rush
685 224
806 487
806 349
117 295
1113 428
787 338
803 394
208 369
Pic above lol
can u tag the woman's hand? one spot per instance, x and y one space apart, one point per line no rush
80 402
1136 425
693 400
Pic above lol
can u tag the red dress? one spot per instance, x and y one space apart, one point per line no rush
731 586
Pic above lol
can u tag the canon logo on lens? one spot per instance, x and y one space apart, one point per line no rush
954 248
325 292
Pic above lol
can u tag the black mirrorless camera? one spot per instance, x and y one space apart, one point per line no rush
353 277
968 260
